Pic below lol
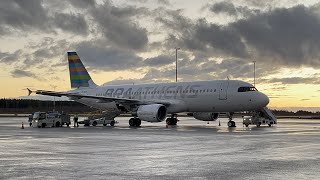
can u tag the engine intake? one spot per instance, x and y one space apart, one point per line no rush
206 116
152 112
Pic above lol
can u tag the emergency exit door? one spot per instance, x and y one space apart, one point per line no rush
223 95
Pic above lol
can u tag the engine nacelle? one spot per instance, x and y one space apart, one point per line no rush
152 112
206 116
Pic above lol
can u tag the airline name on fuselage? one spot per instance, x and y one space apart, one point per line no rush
165 92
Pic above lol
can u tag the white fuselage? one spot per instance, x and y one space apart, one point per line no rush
200 96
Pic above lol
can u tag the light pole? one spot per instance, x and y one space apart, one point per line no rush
254 73
177 63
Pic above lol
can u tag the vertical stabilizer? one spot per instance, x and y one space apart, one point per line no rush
79 76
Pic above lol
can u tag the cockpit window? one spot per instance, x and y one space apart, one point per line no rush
245 89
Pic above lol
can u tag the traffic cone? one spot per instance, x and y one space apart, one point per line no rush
219 123
22 127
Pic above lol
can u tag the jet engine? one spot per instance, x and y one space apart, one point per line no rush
152 112
206 116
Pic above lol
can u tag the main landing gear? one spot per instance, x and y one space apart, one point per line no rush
135 122
231 123
172 120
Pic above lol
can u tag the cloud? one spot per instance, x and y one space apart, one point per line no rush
99 56
75 24
280 36
225 7
17 73
232 10
116 25
295 80
43 53
160 60
10 58
34 16
82 3
23 15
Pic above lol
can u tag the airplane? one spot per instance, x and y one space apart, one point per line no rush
153 102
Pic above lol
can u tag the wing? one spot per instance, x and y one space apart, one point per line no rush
101 99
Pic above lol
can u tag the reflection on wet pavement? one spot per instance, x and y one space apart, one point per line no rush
191 150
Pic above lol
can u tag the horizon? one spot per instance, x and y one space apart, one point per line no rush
127 42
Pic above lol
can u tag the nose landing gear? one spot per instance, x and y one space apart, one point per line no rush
231 123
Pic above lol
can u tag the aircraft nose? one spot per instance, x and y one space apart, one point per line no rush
264 99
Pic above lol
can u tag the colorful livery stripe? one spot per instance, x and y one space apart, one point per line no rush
79 76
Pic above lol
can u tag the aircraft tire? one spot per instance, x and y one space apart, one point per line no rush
137 122
174 121
231 124
131 122
57 124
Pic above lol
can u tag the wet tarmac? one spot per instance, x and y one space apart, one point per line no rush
191 150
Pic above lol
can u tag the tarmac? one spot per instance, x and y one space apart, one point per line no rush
191 150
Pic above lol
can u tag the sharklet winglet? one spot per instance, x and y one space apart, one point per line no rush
29 92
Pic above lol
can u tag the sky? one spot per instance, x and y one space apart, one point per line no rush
133 41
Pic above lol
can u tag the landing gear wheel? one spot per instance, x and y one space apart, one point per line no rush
231 124
138 122
131 122
172 120
135 122
58 124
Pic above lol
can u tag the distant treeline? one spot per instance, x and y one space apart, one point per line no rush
298 113
13 106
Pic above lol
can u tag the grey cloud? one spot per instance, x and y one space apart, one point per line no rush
225 7
83 3
75 24
164 2
32 15
283 36
231 9
23 15
108 58
159 60
295 80
21 73
9 58
219 37
117 26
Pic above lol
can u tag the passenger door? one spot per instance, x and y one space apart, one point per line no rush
223 90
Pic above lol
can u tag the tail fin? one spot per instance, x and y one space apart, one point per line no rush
79 76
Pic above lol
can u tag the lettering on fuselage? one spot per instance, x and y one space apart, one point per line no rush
159 92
